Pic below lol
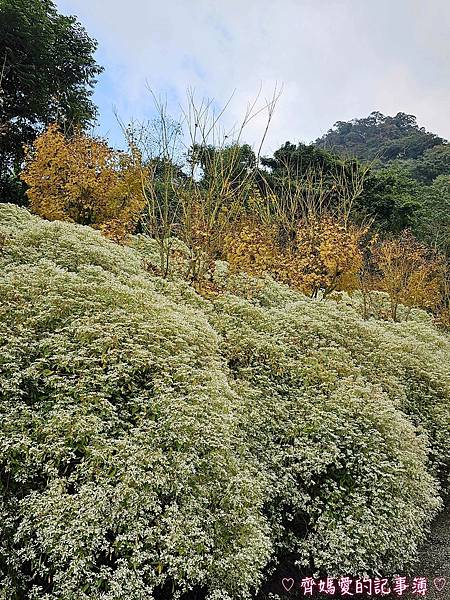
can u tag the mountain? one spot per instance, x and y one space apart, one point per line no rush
380 137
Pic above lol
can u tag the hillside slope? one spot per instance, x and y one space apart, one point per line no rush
381 137
156 444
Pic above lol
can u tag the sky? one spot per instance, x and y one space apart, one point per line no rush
333 60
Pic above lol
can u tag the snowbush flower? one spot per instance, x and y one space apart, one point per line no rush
154 444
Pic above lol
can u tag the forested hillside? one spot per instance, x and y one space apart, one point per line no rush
384 138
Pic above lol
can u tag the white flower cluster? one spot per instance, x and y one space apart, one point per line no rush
157 445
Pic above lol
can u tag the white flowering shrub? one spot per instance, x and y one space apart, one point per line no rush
121 471
30 239
156 445
353 489
377 305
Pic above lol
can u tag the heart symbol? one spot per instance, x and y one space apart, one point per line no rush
439 583
288 582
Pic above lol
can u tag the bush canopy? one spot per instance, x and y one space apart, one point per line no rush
157 444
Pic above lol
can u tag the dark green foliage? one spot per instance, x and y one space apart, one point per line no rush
434 162
312 175
297 159
48 72
296 162
380 137
232 163
432 221
407 184
390 198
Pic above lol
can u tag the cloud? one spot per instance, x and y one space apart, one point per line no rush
336 59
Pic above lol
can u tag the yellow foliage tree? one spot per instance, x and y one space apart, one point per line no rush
409 272
251 247
81 179
325 254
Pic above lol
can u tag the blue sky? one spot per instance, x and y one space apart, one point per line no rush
336 60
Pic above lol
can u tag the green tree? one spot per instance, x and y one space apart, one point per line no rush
308 181
301 171
229 164
432 222
47 72
391 198
293 160
434 162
